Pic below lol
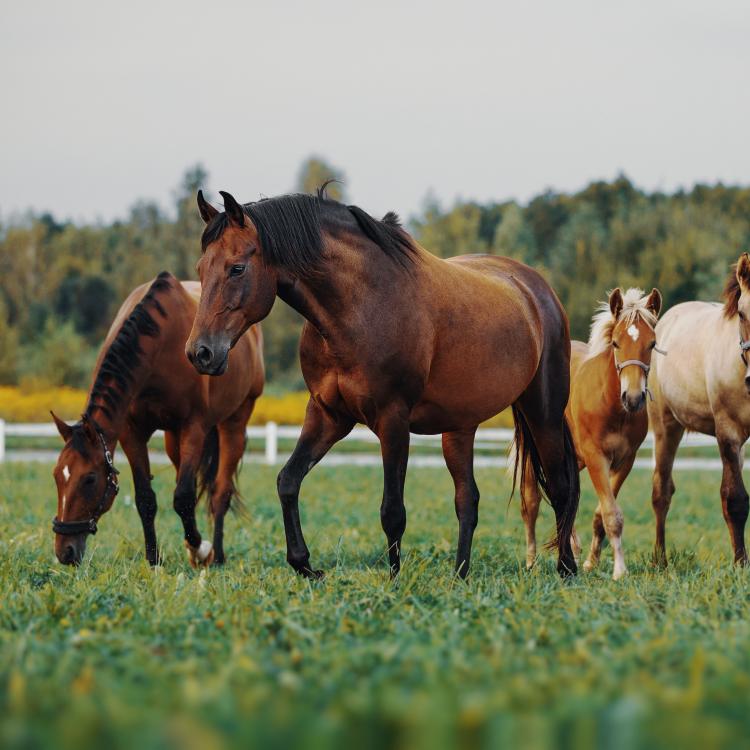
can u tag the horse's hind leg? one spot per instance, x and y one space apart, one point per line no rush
136 450
320 432
542 406
458 449
192 438
734 498
667 435
531 498
231 450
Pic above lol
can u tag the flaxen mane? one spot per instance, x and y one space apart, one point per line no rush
603 323
123 356
290 230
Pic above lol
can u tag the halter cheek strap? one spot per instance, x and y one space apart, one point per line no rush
74 528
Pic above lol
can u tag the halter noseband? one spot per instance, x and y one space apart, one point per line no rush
74 528
620 366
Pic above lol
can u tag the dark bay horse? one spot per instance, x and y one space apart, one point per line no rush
143 382
397 339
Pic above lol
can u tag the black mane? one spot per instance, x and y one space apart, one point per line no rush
117 369
290 230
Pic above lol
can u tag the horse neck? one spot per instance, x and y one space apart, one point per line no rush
335 300
111 416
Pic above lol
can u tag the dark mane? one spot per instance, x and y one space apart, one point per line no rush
290 230
731 293
117 368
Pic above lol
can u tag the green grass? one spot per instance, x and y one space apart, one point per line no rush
116 655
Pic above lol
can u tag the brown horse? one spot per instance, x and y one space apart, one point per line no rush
606 413
703 386
142 382
397 339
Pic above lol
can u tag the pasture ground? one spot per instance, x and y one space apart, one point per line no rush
116 655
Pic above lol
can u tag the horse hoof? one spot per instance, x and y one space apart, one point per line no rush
588 566
619 574
202 556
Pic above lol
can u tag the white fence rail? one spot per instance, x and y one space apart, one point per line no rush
496 440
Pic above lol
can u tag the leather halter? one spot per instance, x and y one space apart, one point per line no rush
74 528
620 366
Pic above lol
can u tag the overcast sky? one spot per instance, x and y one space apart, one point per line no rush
104 103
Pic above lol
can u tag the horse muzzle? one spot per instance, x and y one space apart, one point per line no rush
70 550
633 402
208 358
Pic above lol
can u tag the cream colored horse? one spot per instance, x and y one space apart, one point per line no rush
703 386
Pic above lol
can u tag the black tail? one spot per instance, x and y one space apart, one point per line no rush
207 470
209 464
566 515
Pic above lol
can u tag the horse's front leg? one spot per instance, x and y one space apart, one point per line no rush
458 450
393 430
136 450
611 515
734 498
320 432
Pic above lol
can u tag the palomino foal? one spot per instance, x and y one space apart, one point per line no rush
606 413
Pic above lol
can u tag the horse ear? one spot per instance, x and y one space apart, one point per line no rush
615 302
653 302
235 212
743 270
63 428
207 210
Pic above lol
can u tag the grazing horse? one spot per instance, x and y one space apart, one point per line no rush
397 339
703 386
143 382
606 413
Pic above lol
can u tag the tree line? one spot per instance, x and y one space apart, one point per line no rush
61 283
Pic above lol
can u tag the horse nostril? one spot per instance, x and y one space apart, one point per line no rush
204 356
69 555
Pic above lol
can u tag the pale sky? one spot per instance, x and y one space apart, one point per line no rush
108 102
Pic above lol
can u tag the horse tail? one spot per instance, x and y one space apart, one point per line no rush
209 464
525 448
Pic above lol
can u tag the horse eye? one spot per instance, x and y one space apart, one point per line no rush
89 479
237 270
742 316
653 344
614 345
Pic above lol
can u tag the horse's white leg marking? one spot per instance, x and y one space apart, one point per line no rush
204 550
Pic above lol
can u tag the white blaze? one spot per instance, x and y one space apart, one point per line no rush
633 332
66 473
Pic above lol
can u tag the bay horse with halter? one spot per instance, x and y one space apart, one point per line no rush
143 382
704 386
606 413
397 339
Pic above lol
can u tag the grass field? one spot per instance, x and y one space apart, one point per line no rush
116 655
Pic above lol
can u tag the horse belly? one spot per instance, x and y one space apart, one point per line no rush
461 397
